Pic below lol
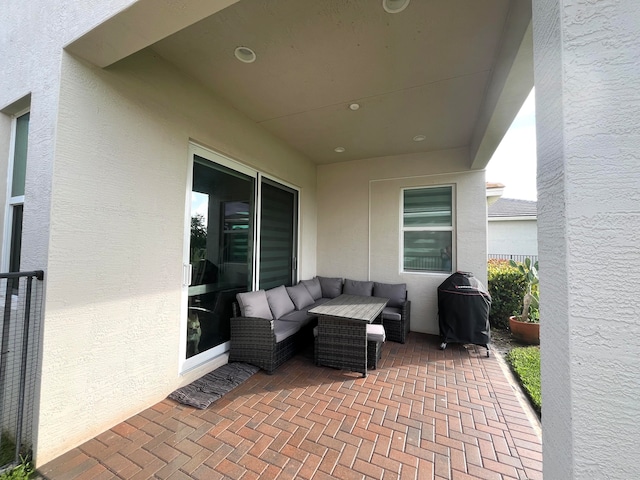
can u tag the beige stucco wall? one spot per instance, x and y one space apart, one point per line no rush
32 35
360 200
114 301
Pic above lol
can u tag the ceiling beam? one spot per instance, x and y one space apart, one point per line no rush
510 84
141 24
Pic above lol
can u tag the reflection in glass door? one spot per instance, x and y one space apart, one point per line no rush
220 251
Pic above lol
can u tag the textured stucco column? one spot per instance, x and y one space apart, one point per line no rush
587 75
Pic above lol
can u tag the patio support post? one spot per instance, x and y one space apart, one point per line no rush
587 78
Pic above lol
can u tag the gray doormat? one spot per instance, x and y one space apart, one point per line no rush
206 390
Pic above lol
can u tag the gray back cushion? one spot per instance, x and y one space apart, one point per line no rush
300 296
314 288
356 287
395 292
254 304
331 287
279 301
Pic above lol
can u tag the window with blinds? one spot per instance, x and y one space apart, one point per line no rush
278 234
428 229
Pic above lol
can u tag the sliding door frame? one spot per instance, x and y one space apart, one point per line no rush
212 156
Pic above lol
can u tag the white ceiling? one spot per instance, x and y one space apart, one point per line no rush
440 68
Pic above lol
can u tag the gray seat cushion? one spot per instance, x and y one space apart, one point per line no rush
392 313
357 287
395 292
313 286
300 296
318 302
297 316
279 301
375 333
254 304
284 329
331 287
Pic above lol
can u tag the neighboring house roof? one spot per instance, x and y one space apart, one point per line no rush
511 207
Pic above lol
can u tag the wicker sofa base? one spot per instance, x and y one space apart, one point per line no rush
374 353
253 344
253 340
345 346
397 330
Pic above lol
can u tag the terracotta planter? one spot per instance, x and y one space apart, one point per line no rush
526 332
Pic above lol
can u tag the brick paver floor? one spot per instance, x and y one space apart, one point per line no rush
423 414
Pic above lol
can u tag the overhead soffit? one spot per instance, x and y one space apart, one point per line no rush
422 71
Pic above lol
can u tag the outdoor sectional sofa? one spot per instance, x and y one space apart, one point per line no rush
269 327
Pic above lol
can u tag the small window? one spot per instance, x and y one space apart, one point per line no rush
427 229
15 204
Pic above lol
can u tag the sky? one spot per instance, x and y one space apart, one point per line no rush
514 162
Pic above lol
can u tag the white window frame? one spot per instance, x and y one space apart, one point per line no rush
187 364
10 202
451 229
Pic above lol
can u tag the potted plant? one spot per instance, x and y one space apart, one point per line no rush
526 326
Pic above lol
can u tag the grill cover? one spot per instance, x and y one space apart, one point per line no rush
463 310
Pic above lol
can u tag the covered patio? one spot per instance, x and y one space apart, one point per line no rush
351 106
375 126
424 413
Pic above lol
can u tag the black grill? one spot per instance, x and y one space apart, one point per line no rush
463 311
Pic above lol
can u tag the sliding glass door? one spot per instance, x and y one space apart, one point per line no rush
242 233
220 253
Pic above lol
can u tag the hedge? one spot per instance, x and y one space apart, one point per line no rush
507 287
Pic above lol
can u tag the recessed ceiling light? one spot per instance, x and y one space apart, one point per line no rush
419 138
394 6
338 149
245 54
354 106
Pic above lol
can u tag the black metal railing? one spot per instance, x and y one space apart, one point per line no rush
21 304
515 258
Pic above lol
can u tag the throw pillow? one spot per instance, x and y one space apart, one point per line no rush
254 304
279 301
300 296
356 287
331 287
395 292
314 288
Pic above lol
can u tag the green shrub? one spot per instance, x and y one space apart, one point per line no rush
525 362
507 287
24 471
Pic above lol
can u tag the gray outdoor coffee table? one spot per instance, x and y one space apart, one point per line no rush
342 330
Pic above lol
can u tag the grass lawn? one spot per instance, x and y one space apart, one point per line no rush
525 362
